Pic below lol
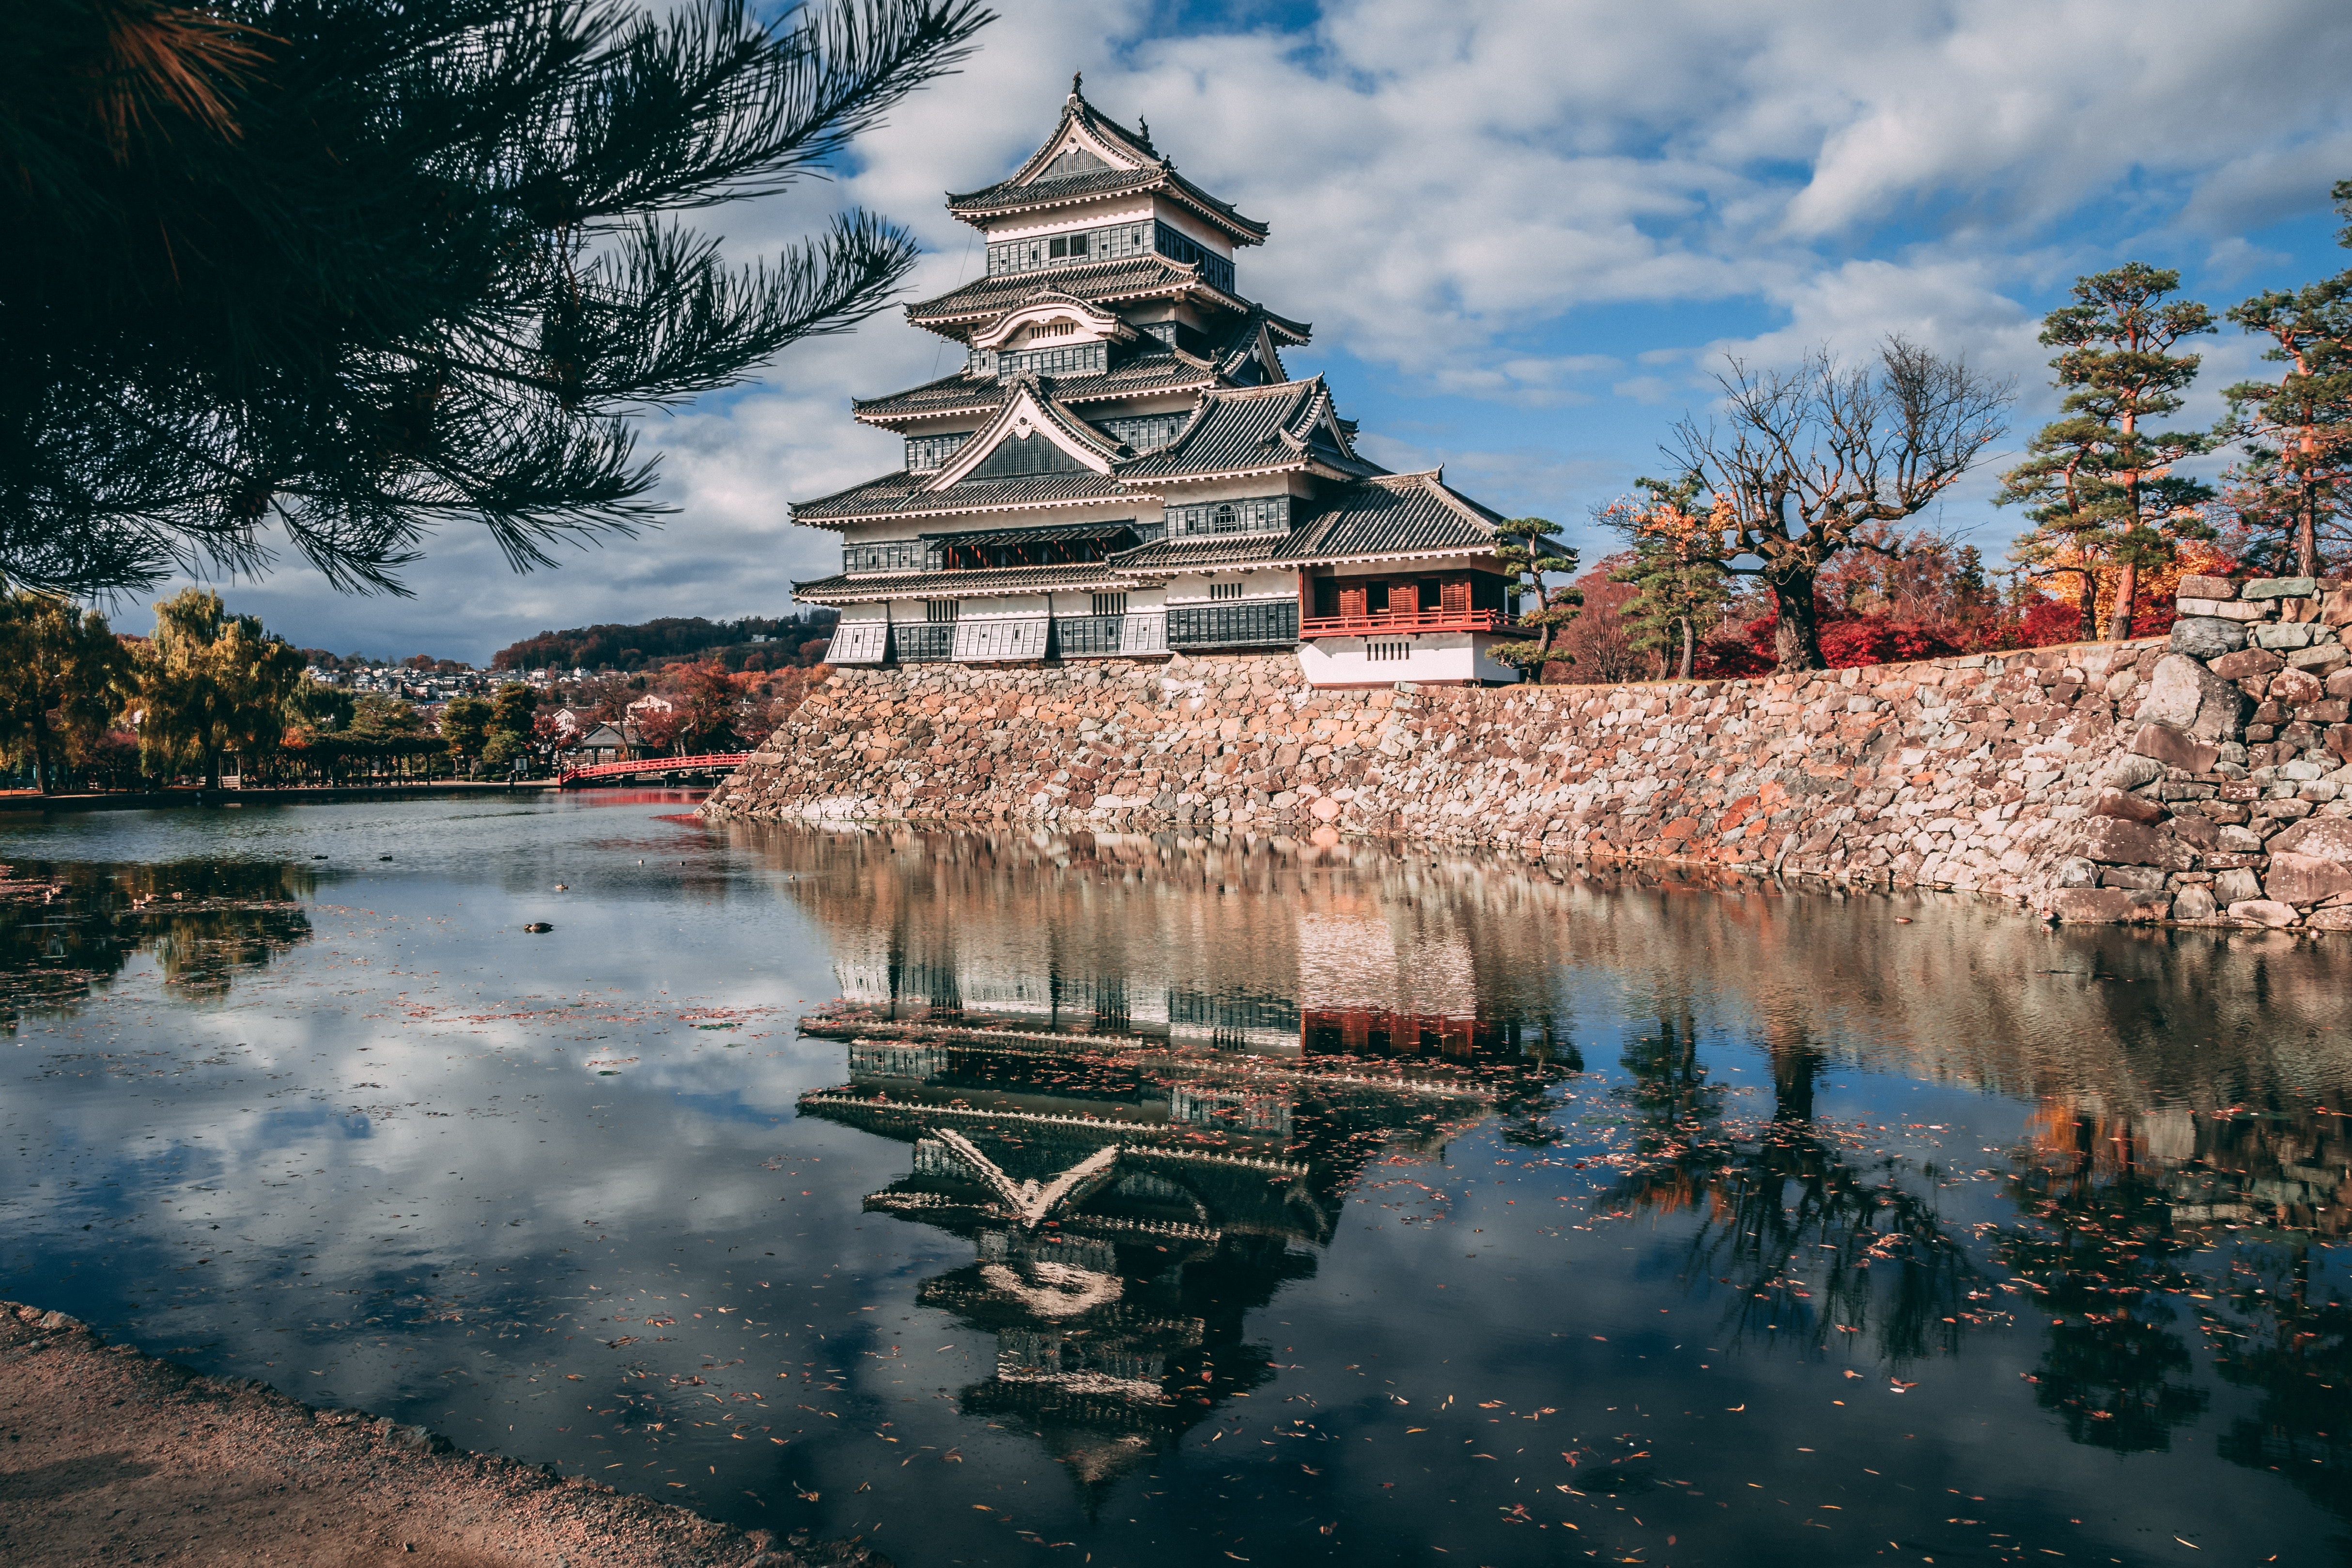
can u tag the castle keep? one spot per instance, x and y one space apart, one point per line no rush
1123 468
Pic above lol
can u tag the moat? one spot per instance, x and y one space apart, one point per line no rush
1151 1200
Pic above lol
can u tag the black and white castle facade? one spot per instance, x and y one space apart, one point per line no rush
1122 467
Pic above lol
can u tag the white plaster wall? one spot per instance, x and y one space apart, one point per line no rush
1456 657
1193 587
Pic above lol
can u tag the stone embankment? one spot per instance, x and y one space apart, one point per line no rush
109 1456
2137 781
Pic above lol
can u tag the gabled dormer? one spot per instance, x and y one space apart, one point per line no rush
1029 435
1053 334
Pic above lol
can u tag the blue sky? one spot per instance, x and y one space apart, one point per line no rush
1528 232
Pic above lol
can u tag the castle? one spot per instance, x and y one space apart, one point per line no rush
1122 467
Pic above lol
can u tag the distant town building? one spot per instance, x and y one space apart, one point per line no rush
1122 467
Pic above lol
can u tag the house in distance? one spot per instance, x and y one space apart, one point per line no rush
1122 467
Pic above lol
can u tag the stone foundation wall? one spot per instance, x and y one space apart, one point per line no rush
2140 781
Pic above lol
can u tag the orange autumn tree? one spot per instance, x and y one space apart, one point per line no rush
1676 570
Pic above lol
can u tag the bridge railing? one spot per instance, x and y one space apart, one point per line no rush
702 762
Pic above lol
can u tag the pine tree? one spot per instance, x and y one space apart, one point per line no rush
343 272
2098 485
1527 550
1675 568
2293 487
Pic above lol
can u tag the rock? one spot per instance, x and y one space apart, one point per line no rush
2187 694
2133 769
2329 920
2293 688
2279 588
2193 904
2206 636
2236 884
2247 664
2113 842
419 1439
2140 878
2335 607
2099 906
2224 609
2076 872
2322 659
2304 880
2339 740
2328 837
2280 636
2194 586
2241 841
2261 912
2174 747
2200 830
2128 807
58 1321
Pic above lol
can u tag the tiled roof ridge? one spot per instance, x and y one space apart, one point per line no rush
1075 107
816 501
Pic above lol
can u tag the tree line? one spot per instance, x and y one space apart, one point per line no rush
80 702
1808 468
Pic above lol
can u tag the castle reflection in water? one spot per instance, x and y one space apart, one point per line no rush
1140 1077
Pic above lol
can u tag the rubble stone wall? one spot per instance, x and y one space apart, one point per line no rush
2194 778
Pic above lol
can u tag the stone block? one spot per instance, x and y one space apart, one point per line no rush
2193 904
2236 884
2339 740
2206 636
2107 905
2185 694
2335 607
2139 878
2279 588
2132 771
2238 839
2304 880
2328 837
2127 807
2278 636
2291 688
2261 912
2199 830
2174 747
2111 841
2327 710
2329 920
2195 586
2247 664
2322 659
2224 609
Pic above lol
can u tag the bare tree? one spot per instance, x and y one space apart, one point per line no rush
1817 458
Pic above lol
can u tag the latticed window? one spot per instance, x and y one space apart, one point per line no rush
925 453
1257 515
915 644
1113 243
1234 625
1388 650
1225 591
939 612
890 555
1074 360
1146 430
1110 603
1214 268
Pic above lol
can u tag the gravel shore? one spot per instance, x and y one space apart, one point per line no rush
108 1456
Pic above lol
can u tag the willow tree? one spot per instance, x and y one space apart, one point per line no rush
1814 461
64 676
2098 483
211 684
343 272
2293 485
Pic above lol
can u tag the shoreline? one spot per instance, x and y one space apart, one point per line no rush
107 1452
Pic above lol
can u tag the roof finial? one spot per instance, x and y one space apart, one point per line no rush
1143 129
1077 79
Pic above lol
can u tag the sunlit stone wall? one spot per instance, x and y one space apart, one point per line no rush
2131 781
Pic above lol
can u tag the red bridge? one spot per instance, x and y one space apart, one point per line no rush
707 762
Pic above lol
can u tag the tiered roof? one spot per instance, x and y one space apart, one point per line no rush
1256 429
1132 164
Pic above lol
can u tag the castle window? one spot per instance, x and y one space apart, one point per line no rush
1062 246
925 453
892 555
1110 243
939 612
1225 591
1388 650
1110 603
1144 432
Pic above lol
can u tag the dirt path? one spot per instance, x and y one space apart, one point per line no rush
110 1456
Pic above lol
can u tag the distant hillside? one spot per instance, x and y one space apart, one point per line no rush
660 642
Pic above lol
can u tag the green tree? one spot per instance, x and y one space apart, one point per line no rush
1530 552
63 678
379 715
355 270
2292 486
2098 484
465 726
1816 459
320 707
1676 568
513 708
211 684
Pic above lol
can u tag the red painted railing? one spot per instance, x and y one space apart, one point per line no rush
1387 624
708 761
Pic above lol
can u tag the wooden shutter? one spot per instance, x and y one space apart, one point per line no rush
1404 598
1454 597
1351 600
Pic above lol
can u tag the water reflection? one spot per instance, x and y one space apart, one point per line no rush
68 928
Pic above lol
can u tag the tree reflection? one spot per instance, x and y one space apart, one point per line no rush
1814 1239
67 930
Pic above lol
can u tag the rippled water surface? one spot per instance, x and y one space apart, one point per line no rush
1010 1199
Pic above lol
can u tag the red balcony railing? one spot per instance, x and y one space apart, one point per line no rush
1388 623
